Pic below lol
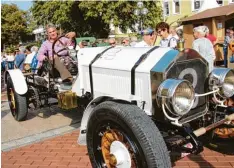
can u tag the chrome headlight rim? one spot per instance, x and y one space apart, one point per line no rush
228 93
217 79
192 99
166 93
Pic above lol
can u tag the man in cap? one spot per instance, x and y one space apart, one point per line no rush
148 38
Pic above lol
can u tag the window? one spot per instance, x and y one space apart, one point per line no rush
166 7
220 2
196 4
176 6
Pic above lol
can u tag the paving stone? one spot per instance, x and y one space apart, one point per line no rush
62 151
57 156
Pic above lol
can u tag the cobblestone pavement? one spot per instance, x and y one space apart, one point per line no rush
64 152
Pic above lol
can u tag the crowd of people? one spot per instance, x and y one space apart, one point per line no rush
163 35
18 58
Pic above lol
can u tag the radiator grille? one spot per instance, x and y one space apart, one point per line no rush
194 71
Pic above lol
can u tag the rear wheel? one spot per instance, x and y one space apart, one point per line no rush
17 103
123 136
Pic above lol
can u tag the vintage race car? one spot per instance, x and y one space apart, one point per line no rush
141 103
147 102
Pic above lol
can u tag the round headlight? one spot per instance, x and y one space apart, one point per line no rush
178 96
228 84
183 98
224 79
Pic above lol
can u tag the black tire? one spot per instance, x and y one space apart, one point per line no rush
138 133
20 111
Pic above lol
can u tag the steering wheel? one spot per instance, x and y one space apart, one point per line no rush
63 47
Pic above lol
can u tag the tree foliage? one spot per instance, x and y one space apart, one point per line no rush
121 13
13 24
92 18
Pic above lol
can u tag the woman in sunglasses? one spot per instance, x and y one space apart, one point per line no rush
167 40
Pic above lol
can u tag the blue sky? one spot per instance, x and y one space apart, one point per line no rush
24 5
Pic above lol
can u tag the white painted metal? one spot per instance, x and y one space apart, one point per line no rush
18 80
82 137
121 153
112 77
112 73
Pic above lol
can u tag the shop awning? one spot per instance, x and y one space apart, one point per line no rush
209 13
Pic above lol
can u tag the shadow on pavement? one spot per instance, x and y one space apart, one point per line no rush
224 146
4 113
198 159
74 114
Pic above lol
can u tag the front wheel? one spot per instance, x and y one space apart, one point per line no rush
123 136
17 103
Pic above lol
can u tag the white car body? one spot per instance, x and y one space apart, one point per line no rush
112 73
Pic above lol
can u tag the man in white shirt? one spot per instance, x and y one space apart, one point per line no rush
30 56
167 40
148 38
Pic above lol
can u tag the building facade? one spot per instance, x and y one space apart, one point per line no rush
175 10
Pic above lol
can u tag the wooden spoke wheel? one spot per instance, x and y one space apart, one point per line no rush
112 138
11 98
123 136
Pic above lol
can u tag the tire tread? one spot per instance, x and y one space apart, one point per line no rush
144 129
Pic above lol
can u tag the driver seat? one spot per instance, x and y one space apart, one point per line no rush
54 73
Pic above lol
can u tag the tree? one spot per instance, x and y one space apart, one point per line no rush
121 13
92 18
13 24
69 17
